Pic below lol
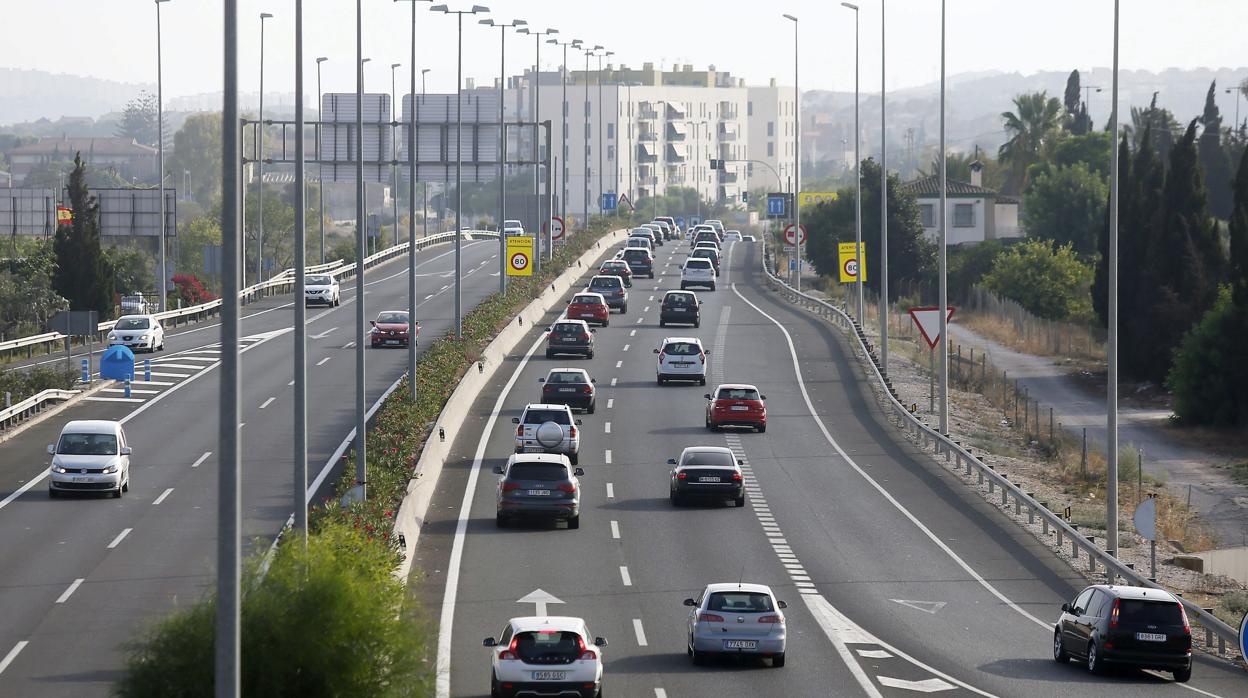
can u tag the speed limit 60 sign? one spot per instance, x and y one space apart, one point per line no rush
520 256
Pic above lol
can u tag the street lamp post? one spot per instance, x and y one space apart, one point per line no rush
260 162
394 169
424 186
320 178
943 243
797 163
370 245
563 128
361 233
160 147
857 175
502 143
459 122
535 105
411 213
883 204
602 135
1111 398
300 476
1087 98
585 168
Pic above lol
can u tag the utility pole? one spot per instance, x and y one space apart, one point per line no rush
320 174
943 242
1111 397
160 147
883 202
260 162
300 475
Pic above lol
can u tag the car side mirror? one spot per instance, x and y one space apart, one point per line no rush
515 420
740 461
126 450
489 642
373 323
578 422
593 380
51 449
656 351
600 641
671 461
707 396
498 470
579 472
593 331
690 602
541 380
706 351
1066 608
782 604
762 397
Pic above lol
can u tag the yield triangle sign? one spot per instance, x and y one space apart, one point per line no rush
928 322
625 201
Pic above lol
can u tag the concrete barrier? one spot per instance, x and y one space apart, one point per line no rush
420 489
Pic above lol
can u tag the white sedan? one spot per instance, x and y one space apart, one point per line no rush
139 332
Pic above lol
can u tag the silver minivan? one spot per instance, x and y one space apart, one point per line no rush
91 455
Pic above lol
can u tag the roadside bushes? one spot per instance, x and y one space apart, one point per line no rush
1209 378
22 384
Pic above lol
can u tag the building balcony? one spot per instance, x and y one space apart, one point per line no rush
727 177
647 114
648 136
728 110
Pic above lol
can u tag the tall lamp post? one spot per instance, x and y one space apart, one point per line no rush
502 143
411 211
260 162
585 167
394 169
424 186
535 105
459 122
320 178
160 147
362 190
943 242
797 162
602 137
857 175
300 475
361 239
563 128
1111 399
883 205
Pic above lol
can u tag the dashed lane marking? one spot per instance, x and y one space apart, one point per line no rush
615 530
70 591
162 496
201 459
624 576
120 537
640 632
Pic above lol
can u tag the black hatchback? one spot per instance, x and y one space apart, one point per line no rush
640 260
1135 626
680 307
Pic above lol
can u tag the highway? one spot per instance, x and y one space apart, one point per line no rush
80 575
899 579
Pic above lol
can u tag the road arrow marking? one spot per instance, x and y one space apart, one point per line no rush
874 654
925 686
925 606
539 598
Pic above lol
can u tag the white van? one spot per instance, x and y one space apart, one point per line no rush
698 271
91 455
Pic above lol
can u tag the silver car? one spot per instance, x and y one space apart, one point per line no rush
538 485
545 428
91 455
734 618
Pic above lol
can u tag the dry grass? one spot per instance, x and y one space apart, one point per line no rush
1067 341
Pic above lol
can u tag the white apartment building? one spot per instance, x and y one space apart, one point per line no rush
772 140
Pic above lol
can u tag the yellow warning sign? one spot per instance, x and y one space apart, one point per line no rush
520 256
849 262
810 198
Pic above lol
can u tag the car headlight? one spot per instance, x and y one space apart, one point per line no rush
110 469
56 468
112 336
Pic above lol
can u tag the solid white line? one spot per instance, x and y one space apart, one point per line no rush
184 367
266 403
606 457
610 401
8 658
322 361
322 335
628 581
120 536
201 459
640 632
162 496
606 428
615 529
70 591
169 375
143 382
610 491
114 399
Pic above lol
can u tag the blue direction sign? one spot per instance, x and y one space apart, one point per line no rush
680 222
777 205
694 220
608 201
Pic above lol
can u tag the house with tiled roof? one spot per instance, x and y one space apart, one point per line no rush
974 212
132 160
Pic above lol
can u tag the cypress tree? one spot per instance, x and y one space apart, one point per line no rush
1213 158
1239 237
83 275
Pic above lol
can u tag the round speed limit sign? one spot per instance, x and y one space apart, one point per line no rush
520 261
851 268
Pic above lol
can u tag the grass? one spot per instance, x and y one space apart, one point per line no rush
1074 342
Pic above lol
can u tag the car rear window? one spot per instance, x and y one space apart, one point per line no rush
566 377
699 262
681 349
586 299
87 445
548 647
740 602
738 394
635 254
605 282
133 323
709 458
566 327
1154 612
543 416
546 472
678 299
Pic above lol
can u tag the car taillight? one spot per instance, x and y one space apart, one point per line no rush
585 336
520 430
736 476
710 618
1113 616
1187 627
566 487
510 486
662 356
587 389
548 388
771 619
510 652
682 476
701 356
572 432
586 653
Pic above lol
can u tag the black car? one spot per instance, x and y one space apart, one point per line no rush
707 472
640 261
1136 626
612 290
541 485
682 307
569 386
570 337
708 254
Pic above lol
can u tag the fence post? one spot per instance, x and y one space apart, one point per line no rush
1083 458
1050 426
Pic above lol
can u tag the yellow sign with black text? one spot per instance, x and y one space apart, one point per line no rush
520 256
849 262
810 198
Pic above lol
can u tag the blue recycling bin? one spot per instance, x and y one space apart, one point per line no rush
117 363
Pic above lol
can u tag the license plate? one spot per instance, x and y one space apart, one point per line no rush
82 479
567 390
1151 637
394 341
708 479
682 363
740 644
549 675
538 493
588 314
534 449
740 408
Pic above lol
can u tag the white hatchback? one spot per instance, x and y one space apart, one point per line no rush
681 358
545 656
698 271
91 455
321 288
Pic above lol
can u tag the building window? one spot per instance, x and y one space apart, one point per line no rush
771 149
927 212
771 129
610 130
964 215
749 108
611 152
589 131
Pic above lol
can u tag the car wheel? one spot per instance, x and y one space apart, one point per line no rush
740 501
590 409
652 275
499 521
117 493
125 486
777 661
712 287
494 692
624 309
761 428
702 380
1183 675
662 323
1094 658
699 658
1060 655
53 494
697 323
675 498
574 522
550 354
575 458
589 354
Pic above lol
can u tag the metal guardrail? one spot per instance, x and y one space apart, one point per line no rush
962 458
32 404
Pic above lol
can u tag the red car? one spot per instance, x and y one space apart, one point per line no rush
620 268
390 329
736 405
590 307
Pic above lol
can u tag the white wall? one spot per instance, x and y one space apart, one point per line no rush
957 234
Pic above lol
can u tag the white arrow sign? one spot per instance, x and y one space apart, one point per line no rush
539 598
925 606
928 322
924 686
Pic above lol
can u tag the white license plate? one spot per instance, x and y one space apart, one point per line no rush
740 408
394 341
1151 637
740 644
589 315
708 479
549 675
81 479
682 363
567 390
538 493
534 449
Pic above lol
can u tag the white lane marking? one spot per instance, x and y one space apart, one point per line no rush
610 402
632 333
444 288
645 309
429 296
628 581
322 361
120 537
660 693
924 686
169 375
626 346
617 365
810 406
133 391
8 658
613 380
640 320
266 403
610 491
615 530
606 428
451 590
640 632
114 399
201 459
606 456
348 345
290 383
324 334
142 382
651 297
70 591
162 496
183 367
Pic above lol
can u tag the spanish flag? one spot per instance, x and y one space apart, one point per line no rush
64 215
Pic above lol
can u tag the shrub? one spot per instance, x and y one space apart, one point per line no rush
22 384
1049 281
1209 378
191 290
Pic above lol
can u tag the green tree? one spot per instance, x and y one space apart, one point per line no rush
197 150
27 299
138 120
1032 128
1066 205
1213 157
198 232
132 269
1046 279
1162 123
969 264
83 274
1209 377
1077 121
1093 149
1239 235
911 257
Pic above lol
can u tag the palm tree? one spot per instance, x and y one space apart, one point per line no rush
1033 128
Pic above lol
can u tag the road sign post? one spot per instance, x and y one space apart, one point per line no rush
928 322
1145 520
520 256
608 201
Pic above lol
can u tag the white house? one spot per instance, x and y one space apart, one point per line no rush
974 213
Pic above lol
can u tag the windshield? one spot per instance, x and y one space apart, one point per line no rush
709 458
392 318
319 281
549 472
566 377
740 602
132 323
738 394
681 349
87 445
543 416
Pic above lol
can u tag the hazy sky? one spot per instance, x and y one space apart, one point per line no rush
115 39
